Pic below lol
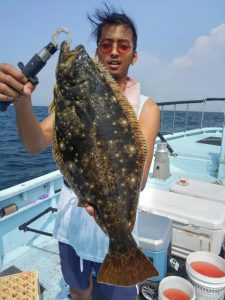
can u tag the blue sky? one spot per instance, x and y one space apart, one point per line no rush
181 43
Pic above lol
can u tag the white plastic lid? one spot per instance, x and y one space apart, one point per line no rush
183 209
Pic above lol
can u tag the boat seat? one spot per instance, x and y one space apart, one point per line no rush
199 189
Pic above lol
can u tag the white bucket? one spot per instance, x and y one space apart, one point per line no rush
175 282
206 288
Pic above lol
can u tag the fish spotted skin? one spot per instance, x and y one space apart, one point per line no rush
100 149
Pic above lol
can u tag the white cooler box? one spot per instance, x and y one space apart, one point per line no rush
198 224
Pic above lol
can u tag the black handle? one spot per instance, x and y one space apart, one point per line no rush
33 67
168 145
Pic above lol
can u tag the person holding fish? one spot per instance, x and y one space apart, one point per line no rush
103 152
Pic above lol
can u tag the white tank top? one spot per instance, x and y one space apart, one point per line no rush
73 225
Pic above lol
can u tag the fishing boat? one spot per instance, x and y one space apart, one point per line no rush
185 185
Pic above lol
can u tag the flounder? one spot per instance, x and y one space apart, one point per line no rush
100 149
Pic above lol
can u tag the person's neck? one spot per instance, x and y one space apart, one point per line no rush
122 83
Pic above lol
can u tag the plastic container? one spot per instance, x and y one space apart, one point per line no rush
206 288
198 224
175 282
22 286
154 237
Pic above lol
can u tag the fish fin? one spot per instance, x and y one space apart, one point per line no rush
52 105
127 269
127 109
141 142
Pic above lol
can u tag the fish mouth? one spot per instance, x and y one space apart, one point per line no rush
65 49
76 54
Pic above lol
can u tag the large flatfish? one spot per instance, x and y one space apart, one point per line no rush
100 149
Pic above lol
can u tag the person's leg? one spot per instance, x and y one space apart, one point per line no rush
79 294
80 282
117 292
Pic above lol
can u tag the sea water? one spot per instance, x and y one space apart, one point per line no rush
16 165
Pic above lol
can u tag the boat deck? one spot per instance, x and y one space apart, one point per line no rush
45 259
198 153
188 144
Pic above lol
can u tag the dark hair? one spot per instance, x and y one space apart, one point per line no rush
110 16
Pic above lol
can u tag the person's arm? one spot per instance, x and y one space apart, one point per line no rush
35 136
149 120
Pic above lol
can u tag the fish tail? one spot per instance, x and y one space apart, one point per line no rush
126 269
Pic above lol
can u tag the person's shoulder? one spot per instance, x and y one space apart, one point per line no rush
149 103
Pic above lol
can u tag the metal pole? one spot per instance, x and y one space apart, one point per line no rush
203 112
186 118
161 119
174 115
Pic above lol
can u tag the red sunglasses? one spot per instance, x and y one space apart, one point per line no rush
123 47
